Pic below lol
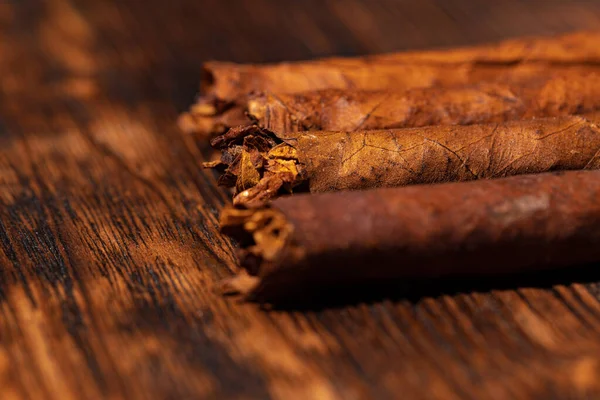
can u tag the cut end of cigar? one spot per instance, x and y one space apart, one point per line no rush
264 235
241 284
257 106
258 164
224 81
212 164
212 125
211 116
203 118
199 125
204 109
266 189
186 123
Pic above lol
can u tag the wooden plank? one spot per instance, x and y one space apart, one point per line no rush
109 249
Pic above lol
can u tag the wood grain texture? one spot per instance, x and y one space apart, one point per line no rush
109 251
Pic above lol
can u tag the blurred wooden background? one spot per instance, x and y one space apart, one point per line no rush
109 250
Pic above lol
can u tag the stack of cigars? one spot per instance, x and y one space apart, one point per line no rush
443 163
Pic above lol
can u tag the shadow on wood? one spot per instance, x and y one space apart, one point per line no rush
317 298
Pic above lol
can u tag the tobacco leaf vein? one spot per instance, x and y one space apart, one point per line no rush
463 161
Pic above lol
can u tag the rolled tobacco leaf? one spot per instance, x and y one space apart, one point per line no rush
487 227
262 164
225 86
352 110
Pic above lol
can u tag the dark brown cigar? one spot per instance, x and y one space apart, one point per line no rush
482 228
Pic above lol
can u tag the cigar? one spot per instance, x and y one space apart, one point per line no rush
352 110
225 86
461 229
261 164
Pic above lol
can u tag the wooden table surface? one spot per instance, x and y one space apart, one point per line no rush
109 250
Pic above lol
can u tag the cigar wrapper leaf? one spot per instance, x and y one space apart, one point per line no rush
262 165
354 110
225 86
462 229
